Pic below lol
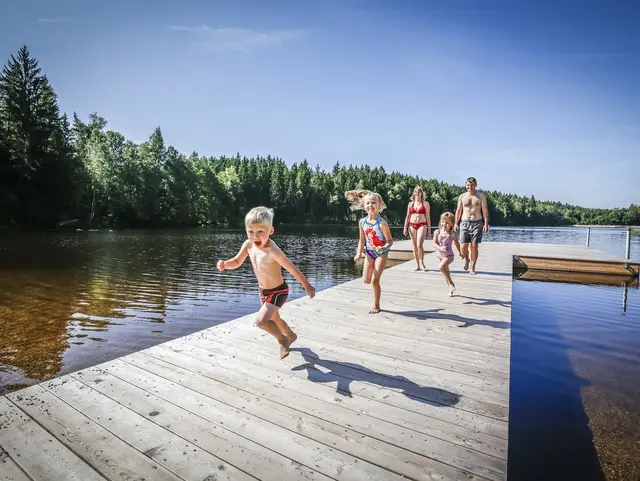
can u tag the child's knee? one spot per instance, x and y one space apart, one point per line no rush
375 281
262 321
367 281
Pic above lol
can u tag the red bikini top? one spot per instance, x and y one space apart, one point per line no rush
419 210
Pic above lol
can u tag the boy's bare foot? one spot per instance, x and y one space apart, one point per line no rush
374 310
284 347
466 264
292 338
417 269
451 290
472 272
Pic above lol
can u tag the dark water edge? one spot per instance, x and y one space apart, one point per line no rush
574 390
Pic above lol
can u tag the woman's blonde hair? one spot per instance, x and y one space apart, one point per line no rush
356 198
418 189
448 217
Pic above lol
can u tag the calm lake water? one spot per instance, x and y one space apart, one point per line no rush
575 383
72 300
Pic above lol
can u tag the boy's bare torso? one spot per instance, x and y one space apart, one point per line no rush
267 269
471 206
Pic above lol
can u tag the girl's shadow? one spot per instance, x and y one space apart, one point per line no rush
343 373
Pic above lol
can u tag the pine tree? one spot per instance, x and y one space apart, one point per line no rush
36 140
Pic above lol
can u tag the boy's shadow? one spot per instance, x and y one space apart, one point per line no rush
345 372
485 302
466 321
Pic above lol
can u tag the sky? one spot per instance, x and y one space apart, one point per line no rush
532 97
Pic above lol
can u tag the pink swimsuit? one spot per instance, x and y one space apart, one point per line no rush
445 240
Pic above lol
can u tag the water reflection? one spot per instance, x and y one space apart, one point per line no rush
73 300
574 395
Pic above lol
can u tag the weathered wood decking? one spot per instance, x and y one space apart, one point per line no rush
419 391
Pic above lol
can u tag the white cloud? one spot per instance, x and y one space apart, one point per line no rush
55 20
239 39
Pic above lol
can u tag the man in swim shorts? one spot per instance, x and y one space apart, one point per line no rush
472 220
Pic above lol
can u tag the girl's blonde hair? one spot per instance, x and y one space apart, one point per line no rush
419 190
448 217
356 198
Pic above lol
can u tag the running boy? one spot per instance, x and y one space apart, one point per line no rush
267 260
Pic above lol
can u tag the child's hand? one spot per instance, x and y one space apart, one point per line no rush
406 232
310 290
357 259
222 265
379 249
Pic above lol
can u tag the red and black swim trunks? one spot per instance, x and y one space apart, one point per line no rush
276 296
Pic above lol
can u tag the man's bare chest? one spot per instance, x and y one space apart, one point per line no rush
471 201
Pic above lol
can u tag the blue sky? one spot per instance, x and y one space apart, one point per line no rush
530 97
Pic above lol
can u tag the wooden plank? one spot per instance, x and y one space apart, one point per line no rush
306 451
200 390
374 363
399 436
330 330
440 340
384 404
174 407
382 368
185 459
592 266
107 454
9 469
539 275
30 450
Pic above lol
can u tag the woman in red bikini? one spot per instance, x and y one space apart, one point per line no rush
418 224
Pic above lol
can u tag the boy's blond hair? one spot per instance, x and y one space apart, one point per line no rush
356 198
448 217
259 216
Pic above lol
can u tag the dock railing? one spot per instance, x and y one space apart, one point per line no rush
610 229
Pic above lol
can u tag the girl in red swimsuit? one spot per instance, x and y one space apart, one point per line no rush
418 224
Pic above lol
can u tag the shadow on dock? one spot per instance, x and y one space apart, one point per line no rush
485 302
344 373
435 314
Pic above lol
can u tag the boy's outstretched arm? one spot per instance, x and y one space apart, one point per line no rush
236 261
284 261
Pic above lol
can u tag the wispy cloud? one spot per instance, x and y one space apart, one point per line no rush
56 20
591 55
239 39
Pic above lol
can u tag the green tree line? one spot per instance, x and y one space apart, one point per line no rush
57 171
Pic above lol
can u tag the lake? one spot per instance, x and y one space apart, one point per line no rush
75 299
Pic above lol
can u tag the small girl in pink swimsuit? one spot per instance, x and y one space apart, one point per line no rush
443 239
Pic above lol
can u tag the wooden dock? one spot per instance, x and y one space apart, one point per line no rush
419 391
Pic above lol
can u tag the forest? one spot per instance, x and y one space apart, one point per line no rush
58 172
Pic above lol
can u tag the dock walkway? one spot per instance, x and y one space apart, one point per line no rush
419 391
